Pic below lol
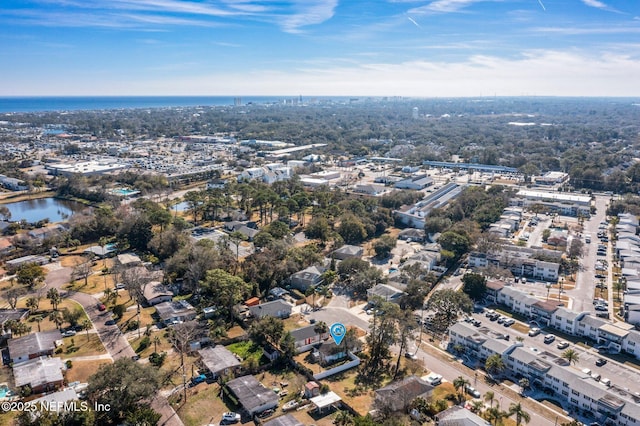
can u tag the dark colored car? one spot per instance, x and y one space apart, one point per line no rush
600 362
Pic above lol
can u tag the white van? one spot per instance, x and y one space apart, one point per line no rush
606 382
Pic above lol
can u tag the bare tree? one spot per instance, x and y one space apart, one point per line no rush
135 280
181 335
12 295
83 271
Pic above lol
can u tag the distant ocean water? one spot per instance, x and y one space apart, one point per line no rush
85 103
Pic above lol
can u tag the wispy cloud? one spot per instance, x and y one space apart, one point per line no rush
307 12
291 16
589 30
600 5
445 6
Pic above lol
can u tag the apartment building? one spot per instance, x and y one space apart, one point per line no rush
608 405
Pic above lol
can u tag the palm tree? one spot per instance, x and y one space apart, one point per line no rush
490 397
570 355
54 298
343 418
524 385
156 340
521 415
38 319
459 383
321 328
33 303
476 406
57 318
86 325
494 364
495 415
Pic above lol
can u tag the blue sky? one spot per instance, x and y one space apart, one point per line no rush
320 47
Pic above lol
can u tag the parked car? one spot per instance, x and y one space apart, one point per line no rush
600 362
68 333
410 355
472 391
265 414
534 332
120 286
434 379
476 323
230 417
291 405
509 322
601 307
549 338
198 379
562 345
101 307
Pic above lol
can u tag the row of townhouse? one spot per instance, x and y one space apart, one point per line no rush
618 337
521 261
609 405
627 250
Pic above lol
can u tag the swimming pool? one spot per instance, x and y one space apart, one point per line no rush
4 391
125 192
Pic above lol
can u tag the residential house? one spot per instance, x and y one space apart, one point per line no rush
42 374
328 352
155 292
11 315
412 234
286 420
249 233
46 231
347 252
385 292
175 312
309 277
56 401
306 337
6 246
397 396
13 184
128 260
252 395
277 308
219 361
33 345
459 416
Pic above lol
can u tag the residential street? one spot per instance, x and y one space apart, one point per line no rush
110 335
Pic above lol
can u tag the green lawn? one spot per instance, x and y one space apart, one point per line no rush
247 350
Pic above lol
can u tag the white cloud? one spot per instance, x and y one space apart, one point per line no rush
595 3
444 6
307 12
542 73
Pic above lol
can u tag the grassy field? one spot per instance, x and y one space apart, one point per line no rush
163 345
203 405
247 350
78 345
45 310
82 370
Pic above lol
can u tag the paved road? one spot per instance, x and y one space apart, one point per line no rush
110 335
582 295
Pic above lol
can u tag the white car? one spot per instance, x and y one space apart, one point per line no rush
290 405
472 391
534 332
230 417
562 345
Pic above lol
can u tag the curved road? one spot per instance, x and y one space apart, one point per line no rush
110 335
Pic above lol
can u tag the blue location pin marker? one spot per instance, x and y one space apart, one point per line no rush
337 331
